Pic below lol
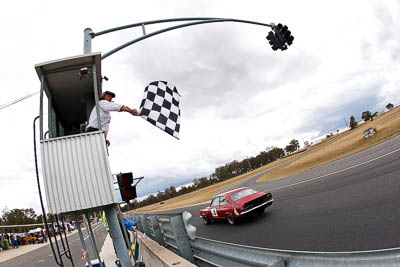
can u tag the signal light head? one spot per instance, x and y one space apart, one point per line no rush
282 35
128 191
290 40
287 35
126 179
276 41
278 27
284 29
270 37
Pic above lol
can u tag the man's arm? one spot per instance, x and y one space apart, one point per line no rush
112 106
127 109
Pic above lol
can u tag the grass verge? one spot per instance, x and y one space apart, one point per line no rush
387 126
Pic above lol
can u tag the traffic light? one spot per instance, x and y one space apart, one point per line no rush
289 39
283 30
283 34
273 41
128 191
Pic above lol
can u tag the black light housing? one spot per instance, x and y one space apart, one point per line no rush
283 35
273 41
128 191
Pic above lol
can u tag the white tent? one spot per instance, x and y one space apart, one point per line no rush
37 230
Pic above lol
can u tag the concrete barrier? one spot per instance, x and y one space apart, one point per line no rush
155 255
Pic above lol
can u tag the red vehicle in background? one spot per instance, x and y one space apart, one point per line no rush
236 204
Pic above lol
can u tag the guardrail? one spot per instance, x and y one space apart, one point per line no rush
175 232
168 230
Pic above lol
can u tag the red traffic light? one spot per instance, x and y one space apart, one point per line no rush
125 181
128 193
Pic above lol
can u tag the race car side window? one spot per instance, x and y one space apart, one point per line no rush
242 194
222 201
215 202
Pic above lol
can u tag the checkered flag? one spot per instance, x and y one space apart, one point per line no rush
160 107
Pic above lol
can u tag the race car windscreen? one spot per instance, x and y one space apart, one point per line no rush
243 193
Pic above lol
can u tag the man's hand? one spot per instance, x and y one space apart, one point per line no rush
134 112
107 142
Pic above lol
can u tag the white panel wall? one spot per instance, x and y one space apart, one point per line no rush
76 172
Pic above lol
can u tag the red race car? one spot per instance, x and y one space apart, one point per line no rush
236 204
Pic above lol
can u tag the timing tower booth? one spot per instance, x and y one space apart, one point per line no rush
75 164
75 167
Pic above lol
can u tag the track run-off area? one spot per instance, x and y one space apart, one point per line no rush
351 204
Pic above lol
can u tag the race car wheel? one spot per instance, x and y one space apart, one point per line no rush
206 221
261 211
231 219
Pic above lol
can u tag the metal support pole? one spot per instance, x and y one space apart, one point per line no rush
50 118
41 108
143 29
78 226
125 232
116 234
87 41
92 239
178 27
96 97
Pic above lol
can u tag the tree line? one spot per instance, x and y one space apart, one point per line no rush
29 216
19 216
367 116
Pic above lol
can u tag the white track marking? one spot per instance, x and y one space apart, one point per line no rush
94 229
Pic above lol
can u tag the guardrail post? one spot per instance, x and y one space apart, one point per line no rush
182 241
145 226
190 229
157 230
137 219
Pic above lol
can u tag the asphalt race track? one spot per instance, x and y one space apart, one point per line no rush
352 204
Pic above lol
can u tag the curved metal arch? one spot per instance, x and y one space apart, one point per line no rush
203 21
145 23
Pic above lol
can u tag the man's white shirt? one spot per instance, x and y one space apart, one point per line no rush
105 117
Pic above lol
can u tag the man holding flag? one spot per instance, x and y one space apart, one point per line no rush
106 105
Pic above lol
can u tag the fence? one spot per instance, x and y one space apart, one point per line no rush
175 232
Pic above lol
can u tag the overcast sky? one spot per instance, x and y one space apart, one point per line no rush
238 95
